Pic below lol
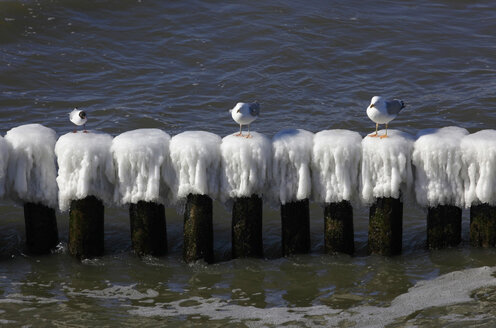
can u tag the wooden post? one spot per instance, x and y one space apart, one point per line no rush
444 226
247 227
338 228
41 228
148 228
483 225
86 227
295 219
198 229
386 226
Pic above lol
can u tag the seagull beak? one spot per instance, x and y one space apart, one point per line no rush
371 105
238 110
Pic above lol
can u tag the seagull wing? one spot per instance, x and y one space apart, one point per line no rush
393 107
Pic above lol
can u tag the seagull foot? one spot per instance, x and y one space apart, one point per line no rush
384 136
238 135
248 136
75 131
85 131
373 135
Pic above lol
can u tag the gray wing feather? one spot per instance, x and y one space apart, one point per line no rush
255 109
393 107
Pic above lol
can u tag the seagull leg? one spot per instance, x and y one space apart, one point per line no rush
375 134
248 135
385 136
240 134
84 127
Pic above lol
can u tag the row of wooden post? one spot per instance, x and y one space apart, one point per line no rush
149 235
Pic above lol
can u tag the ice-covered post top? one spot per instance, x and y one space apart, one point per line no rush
86 167
245 165
438 167
336 157
292 154
195 157
386 166
142 161
479 158
32 169
4 162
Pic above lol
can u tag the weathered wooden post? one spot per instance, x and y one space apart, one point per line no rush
143 168
336 157
85 180
386 178
292 186
31 181
439 183
245 171
479 159
196 158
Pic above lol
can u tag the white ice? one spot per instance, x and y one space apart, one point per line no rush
439 174
386 166
245 166
4 162
86 167
196 160
479 159
143 166
32 168
336 156
291 175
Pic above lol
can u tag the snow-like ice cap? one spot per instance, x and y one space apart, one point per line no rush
4 162
245 165
386 166
86 167
439 173
336 156
142 161
479 159
291 176
196 160
32 168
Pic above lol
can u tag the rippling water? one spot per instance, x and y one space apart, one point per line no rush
180 66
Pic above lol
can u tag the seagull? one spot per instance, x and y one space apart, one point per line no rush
245 114
78 117
383 111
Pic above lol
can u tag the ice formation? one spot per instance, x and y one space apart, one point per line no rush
439 174
32 168
4 162
291 176
196 160
386 166
143 166
336 158
245 166
479 159
86 167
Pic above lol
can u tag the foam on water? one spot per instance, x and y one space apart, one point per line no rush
143 166
292 155
32 168
336 156
196 160
246 164
386 166
439 173
479 160
86 167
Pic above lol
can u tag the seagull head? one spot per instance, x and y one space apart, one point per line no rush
238 107
377 102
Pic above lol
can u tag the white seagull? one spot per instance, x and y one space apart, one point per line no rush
245 114
78 117
383 111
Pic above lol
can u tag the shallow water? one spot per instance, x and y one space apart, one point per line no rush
180 66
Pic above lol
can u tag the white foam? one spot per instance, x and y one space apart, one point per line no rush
245 166
291 158
32 168
386 166
439 174
143 165
336 156
479 159
196 160
86 167
4 162
121 292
